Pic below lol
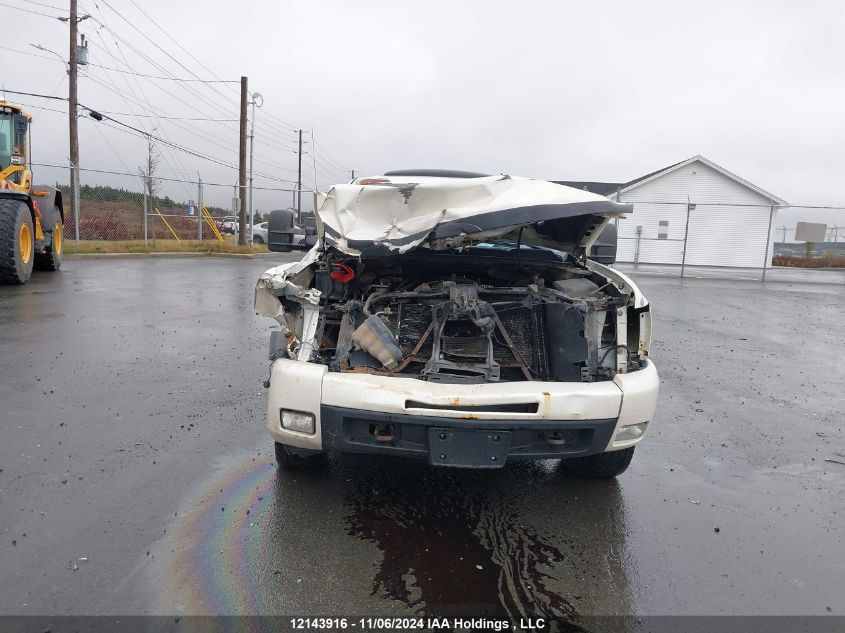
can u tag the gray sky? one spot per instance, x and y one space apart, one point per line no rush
557 90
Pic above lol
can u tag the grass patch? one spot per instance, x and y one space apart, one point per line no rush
160 246
810 262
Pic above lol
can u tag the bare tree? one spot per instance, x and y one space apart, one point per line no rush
148 177
148 171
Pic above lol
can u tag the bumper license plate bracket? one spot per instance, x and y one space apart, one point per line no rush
468 448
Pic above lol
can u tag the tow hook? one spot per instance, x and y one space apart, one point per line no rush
555 437
382 432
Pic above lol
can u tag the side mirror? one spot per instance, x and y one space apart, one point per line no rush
21 123
604 248
282 234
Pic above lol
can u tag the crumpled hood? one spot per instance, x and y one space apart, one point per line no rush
401 213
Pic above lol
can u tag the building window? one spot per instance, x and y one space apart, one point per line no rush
663 230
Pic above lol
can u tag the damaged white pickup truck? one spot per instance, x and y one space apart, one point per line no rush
457 317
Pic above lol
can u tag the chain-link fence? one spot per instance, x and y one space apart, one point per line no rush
677 236
674 236
132 209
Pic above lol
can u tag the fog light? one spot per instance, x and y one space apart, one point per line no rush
298 421
630 432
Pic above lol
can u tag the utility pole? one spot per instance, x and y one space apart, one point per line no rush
200 212
314 158
242 167
766 259
72 106
254 96
299 185
146 213
353 174
690 207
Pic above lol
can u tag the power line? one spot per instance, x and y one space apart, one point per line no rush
266 141
118 70
143 133
116 36
53 92
154 43
165 141
146 135
40 108
129 72
198 133
148 38
174 40
114 151
33 94
328 158
155 64
267 114
191 55
48 6
191 182
191 106
222 144
176 164
166 118
45 15
15 50
196 79
191 90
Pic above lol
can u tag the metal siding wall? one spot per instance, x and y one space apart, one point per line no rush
719 234
652 249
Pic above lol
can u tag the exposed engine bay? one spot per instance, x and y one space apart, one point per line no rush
463 318
488 312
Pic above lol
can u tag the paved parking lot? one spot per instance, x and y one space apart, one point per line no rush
136 477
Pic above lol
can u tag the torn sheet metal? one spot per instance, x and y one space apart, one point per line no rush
291 281
399 213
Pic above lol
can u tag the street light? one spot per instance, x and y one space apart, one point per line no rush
255 100
54 53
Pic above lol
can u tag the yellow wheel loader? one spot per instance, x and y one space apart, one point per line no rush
31 216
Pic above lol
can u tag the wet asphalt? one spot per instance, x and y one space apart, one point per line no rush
136 476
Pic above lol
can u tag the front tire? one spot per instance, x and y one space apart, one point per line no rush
601 466
17 242
52 259
257 239
288 460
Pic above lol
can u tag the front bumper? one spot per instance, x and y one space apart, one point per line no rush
352 412
460 442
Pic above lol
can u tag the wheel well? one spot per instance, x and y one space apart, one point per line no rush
21 197
59 204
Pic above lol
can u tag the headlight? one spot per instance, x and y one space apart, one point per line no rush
298 421
630 432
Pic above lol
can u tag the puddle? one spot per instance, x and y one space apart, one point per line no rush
454 543
207 562
382 536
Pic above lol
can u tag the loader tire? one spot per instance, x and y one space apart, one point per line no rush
51 260
17 242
